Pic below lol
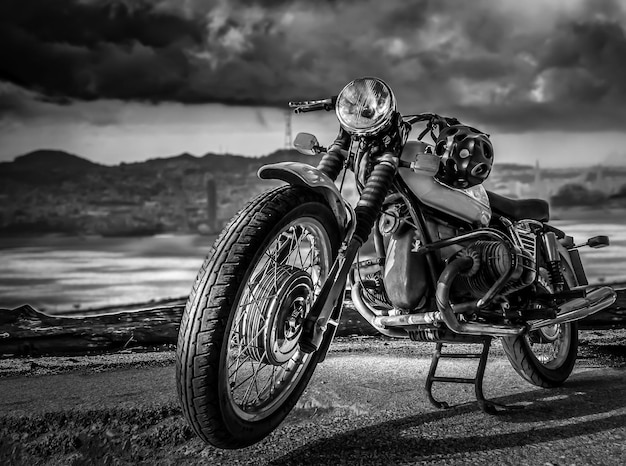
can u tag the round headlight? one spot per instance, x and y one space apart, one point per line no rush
365 106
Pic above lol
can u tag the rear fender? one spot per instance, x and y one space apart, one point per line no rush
302 174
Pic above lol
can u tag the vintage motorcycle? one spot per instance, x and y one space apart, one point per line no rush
453 263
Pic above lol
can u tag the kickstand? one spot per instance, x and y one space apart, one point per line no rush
487 406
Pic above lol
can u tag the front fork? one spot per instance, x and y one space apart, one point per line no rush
327 307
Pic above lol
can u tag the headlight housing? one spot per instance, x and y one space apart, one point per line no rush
365 106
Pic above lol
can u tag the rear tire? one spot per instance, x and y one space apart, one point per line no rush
239 370
555 365
545 357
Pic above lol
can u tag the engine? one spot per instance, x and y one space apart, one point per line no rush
406 271
492 261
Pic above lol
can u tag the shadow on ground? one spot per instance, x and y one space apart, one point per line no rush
586 406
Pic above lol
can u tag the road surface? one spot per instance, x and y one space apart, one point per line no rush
365 405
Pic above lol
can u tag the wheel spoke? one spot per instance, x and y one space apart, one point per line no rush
258 381
549 349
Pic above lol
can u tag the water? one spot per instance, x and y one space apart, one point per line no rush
605 264
61 273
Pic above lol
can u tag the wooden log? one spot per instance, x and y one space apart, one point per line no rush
25 330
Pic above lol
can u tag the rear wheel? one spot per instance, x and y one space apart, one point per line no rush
239 367
544 357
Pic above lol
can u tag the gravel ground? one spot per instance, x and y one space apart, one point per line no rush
365 405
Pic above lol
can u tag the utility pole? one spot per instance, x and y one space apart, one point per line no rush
211 202
288 141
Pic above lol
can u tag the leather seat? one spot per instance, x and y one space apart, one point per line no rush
514 209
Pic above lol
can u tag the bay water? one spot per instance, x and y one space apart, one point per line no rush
57 273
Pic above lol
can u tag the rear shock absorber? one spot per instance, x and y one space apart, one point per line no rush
553 261
373 195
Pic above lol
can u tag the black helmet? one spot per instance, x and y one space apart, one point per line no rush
466 156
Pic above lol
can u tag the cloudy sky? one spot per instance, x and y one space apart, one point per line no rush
125 80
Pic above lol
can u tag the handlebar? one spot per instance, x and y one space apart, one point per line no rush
432 118
314 105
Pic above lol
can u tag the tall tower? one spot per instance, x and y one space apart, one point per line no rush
539 184
600 181
288 141
211 202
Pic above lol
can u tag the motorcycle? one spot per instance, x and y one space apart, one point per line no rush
453 263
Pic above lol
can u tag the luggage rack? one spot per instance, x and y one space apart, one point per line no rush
487 406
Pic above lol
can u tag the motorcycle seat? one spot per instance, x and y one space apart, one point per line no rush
519 209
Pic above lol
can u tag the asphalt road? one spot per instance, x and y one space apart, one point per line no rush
365 405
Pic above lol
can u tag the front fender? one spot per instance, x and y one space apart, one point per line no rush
302 174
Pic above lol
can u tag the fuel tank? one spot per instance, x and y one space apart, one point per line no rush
470 205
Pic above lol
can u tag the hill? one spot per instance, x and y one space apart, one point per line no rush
51 160
55 191
58 192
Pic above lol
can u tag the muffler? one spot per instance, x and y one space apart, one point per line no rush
580 308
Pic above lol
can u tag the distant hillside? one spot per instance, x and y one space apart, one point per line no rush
229 162
45 168
50 160
512 167
54 191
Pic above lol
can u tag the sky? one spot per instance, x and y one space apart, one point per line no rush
129 80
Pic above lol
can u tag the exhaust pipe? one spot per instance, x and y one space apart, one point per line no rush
576 309
448 275
580 308
368 314
445 312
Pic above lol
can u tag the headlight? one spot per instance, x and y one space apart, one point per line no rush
365 106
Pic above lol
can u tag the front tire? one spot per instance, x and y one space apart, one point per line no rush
239 369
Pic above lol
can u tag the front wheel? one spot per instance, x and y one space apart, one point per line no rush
239 368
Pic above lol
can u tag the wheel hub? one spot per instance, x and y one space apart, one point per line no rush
272 323
546 334
550 333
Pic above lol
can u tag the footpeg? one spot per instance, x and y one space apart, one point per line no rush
596 242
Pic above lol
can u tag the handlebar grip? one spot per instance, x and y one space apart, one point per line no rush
314 105
310 108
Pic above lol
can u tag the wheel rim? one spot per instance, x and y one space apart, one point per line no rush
263 360
550 345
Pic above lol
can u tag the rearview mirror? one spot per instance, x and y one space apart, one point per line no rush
306 144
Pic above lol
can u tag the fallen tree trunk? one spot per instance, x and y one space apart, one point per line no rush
25 330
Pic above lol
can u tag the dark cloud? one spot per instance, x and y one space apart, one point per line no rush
516 65
588 60
19 106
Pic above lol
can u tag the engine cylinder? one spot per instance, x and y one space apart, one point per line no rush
493 261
